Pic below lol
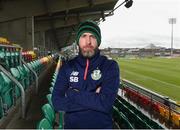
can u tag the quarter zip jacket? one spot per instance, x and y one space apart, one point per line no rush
86 70
85 108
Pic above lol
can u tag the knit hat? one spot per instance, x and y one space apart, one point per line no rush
91 27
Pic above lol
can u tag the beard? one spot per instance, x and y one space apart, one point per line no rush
88 51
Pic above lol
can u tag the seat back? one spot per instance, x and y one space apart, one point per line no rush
15 73
51 89
8 58
121 119
6 92
44 124
49 99
48 113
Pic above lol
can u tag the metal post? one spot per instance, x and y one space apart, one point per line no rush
172 41
32 25
20 57
172 21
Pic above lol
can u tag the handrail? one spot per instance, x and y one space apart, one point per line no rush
127 82
36 77
23 105
138 87
10 46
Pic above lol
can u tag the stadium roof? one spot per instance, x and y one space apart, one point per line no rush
56 17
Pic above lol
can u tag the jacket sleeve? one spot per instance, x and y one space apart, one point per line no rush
104 100
59 99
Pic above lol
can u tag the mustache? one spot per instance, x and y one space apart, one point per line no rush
88 46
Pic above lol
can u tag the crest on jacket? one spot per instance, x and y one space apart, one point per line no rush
96 74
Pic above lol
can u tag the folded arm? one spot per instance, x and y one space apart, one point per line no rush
59 99
103 99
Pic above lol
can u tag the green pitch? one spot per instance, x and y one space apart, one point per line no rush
161 75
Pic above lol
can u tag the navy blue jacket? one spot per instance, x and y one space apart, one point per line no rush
75 91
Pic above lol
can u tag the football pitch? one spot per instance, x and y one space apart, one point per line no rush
161 75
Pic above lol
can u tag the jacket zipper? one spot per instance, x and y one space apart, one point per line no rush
86 69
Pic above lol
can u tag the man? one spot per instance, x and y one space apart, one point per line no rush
86 86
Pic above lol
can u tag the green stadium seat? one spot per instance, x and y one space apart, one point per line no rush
49 113
3 59
131 107
61 121
60 113
52 84
17 58
8 59
44 124
31 74
24 76
121 119
1 108
137 121
51 89
13 59
49 99
122 107
142 120
28 75
16 74
39 66
36 66
55 75
1 102
6 91
54 80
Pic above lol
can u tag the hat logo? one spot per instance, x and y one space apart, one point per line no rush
96 74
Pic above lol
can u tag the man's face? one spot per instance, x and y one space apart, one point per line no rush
88 45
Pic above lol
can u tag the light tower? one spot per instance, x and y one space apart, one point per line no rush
172 21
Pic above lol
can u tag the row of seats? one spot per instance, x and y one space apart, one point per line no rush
24 76
4 40
28 56
155 108
138 113
9 92
168 115
133 117
120 120
141 100
10 56
49 120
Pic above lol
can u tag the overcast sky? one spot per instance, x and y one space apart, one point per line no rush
144 23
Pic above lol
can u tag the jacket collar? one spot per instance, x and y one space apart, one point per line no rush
93 60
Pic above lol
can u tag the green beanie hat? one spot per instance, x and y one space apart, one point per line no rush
91 27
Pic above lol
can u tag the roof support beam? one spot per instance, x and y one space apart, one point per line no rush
13 9
43 25
51 22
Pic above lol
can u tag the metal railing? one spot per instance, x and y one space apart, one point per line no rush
23 105
36 76
152 95
164 101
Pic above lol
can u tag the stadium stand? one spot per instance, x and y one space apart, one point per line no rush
154 104
12 65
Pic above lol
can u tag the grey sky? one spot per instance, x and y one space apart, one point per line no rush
144 23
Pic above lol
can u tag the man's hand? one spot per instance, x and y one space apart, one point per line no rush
98 89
